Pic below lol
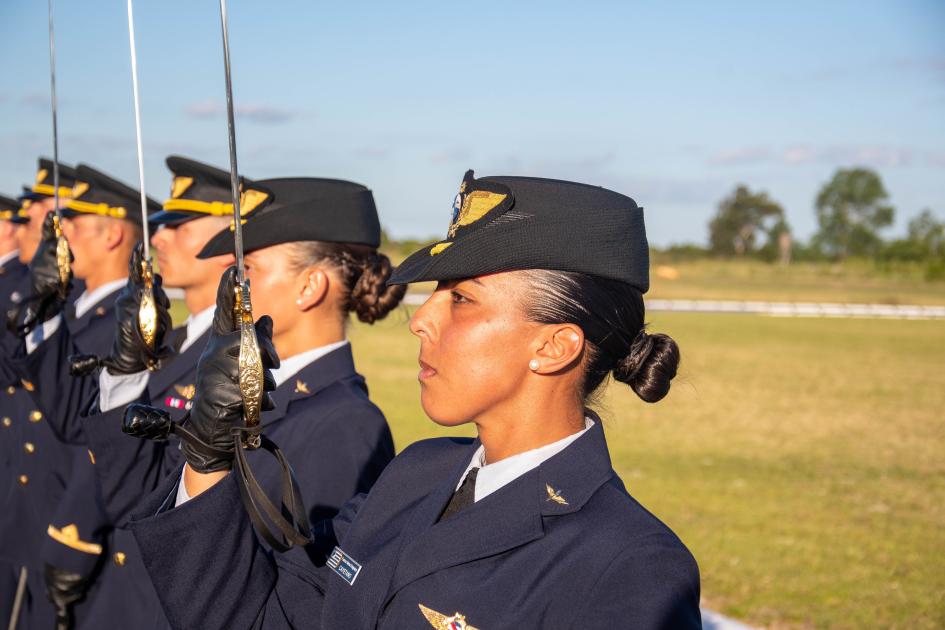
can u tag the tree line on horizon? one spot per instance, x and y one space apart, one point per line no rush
852 211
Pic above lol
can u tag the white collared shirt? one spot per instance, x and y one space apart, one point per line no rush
197 325
83 305
491 477
88 299
118 390
291 366
8 257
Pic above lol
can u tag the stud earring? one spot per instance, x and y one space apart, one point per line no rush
533 365
299 301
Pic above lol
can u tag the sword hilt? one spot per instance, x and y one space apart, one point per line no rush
250 364
63 262
147 310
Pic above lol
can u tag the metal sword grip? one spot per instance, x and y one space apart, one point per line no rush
250 364
62 258
147 310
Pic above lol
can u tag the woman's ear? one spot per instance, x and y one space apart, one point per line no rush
561 346
313 288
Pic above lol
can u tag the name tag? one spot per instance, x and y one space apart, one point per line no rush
344 565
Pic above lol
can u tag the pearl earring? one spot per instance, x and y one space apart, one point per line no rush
299 301
533 365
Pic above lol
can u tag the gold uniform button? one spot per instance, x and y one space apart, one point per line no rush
29 447
36 415
119 558
11 390
24 480
7 422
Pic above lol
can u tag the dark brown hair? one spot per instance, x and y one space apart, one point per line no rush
364 272
611 315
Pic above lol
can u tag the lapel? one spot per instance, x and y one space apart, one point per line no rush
179 367
507 518
100 309
335 366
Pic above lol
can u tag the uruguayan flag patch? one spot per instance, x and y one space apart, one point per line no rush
344 565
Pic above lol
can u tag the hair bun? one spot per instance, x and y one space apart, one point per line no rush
649 366
372 298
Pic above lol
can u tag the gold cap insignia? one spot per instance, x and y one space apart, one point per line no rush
470 206
554 495
41 175
79 189
439 247
180 185
250 199
301 387
187 391
442 622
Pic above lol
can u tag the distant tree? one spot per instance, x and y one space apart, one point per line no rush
851 208
928 234
741 218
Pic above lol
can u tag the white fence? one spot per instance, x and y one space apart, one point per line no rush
778 309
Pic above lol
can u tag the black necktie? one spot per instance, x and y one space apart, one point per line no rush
464 496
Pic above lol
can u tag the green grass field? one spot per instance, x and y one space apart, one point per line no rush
800 459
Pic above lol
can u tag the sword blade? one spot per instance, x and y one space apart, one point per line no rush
137 100
234 170
52 97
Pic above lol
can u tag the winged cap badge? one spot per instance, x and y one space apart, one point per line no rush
442 622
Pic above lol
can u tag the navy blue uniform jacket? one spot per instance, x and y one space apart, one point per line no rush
337 439
64 520
519 558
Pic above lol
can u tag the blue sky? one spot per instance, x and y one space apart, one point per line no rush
672 105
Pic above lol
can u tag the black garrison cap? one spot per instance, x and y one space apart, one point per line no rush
510 223
44 180
98 194
9 208
25 199
197 190
306 209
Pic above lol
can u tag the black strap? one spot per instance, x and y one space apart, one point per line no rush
292 521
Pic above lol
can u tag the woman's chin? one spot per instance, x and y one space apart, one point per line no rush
441 414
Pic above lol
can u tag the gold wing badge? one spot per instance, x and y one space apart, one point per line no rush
442 622
554 495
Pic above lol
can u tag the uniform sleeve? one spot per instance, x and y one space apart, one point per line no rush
76 534
209 570
345 454
127 468
651 586
59 395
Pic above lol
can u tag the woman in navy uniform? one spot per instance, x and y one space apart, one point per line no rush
539 300
312 260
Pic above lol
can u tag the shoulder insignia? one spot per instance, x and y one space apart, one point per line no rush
554 495
69 536
301 387
187 391
442 622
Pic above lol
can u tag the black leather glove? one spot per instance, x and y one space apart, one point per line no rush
130 354
63 588
207 436
49 293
